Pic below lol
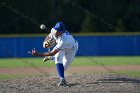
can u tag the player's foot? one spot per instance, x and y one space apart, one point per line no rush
47 58
63 83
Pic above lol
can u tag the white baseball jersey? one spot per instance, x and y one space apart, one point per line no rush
67 47
65 41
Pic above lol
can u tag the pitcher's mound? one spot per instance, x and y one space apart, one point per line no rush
78 83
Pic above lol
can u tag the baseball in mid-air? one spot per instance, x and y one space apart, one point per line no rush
42 26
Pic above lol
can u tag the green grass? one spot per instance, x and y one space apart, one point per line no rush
78 61
109 61
23 62
10 76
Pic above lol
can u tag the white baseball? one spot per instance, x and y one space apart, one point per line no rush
42 26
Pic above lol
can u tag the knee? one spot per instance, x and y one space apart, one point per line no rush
58 60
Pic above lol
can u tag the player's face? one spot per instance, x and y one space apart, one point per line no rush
58 34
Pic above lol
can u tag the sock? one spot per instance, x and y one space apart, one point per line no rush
60 70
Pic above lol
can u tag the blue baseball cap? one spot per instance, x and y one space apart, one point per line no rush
60 27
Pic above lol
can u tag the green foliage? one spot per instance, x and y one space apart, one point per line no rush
88 25
123 14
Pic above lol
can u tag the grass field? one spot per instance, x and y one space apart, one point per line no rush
78 61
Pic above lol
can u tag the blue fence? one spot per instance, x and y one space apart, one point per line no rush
118 45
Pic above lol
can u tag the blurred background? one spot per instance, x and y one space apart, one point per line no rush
108 32
122 14
102 27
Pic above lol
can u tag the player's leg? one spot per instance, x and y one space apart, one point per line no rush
69 56
60 67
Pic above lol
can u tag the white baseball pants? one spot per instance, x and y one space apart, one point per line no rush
66 57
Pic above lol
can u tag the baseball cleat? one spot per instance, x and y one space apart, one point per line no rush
47 58
62 83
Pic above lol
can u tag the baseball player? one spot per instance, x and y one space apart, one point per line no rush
63 52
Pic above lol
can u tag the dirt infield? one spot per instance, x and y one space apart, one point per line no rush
78 83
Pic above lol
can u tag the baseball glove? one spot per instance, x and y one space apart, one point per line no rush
49 42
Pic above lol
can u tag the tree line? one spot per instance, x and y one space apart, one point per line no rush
78 15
